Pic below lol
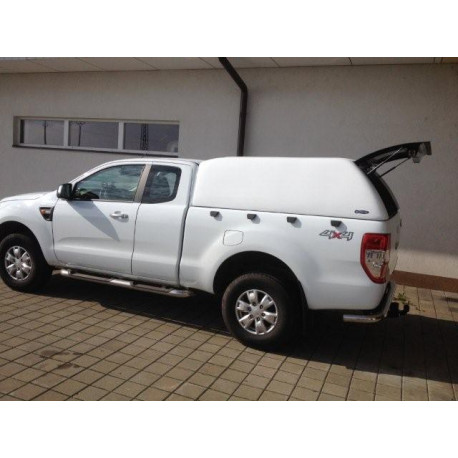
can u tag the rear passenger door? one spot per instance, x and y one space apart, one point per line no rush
160 223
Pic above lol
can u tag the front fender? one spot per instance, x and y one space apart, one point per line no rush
26 213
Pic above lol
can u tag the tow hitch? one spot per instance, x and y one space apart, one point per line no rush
396 312
384 310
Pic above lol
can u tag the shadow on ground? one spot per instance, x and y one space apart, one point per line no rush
414 346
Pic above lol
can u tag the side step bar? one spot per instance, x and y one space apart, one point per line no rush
164 290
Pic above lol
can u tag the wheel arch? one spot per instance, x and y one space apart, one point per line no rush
15 227
257 261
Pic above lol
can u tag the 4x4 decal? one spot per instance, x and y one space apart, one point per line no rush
337 235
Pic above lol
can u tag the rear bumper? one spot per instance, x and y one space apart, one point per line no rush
379 313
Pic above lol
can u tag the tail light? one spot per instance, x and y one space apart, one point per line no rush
375 256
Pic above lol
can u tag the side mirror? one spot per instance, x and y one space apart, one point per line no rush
64 191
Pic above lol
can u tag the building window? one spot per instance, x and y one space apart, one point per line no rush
151 137
146 137
90 134
42 132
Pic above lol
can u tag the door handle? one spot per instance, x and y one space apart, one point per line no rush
119 215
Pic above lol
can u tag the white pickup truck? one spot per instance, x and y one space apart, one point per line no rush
273 237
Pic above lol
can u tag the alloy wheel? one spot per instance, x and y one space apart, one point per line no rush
18 263
256 312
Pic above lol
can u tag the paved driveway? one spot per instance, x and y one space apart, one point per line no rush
81 341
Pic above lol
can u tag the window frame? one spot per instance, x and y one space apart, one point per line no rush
173 196
66 140
122 137
138 192
68 137
19 133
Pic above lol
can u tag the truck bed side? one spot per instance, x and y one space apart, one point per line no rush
327 267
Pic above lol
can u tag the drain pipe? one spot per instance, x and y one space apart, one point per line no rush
243 102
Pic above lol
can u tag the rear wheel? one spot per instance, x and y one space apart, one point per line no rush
259 311
22 265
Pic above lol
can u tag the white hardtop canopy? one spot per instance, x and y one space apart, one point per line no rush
333 187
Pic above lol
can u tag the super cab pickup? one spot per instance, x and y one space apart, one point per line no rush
271 237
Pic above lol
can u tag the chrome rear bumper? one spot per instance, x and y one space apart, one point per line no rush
379 313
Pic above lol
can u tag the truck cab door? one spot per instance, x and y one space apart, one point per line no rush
160 223
94 230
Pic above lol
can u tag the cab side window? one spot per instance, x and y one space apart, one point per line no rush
118 183
161 185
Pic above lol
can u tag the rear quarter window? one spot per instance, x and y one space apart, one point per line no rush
161 185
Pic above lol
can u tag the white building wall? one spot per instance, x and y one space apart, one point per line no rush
321 111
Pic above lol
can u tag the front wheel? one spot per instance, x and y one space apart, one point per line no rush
22 265
259 311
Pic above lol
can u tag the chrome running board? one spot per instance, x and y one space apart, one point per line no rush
164 290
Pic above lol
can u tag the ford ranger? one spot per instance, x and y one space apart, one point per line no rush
271 237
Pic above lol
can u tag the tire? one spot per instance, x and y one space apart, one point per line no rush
256 331
27 250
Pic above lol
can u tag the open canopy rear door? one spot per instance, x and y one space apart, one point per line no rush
406 151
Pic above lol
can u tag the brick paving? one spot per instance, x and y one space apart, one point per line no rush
80 341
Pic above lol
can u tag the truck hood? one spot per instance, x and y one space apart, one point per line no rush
30 196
